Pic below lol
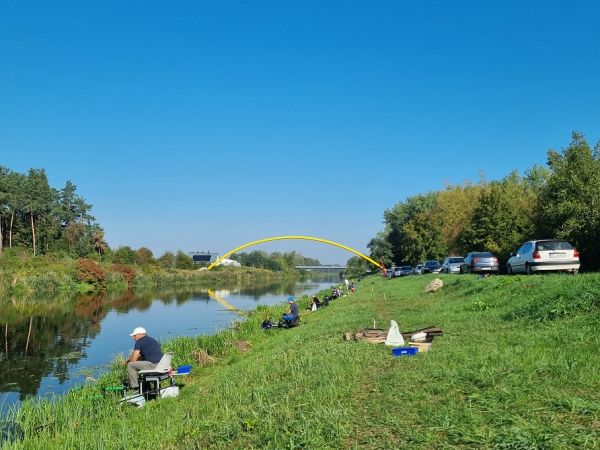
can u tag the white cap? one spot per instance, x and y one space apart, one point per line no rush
138 330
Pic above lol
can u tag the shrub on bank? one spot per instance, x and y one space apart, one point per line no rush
90 272
128 272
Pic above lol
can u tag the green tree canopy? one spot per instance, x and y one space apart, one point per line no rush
570 201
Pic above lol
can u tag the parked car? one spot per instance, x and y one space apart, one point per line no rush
432 266
479 262
452 264
418 270
389 273
402 271
542 256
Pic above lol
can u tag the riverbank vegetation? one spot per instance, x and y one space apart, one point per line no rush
50 244
560 200
47 276
516 367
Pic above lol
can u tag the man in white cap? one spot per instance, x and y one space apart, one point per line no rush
146 355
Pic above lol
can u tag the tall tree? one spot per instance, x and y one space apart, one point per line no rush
15 198
71 208
4 172
415 229
501 220
570 200
455 208
98 242
144 256
124 255
381 249
39 199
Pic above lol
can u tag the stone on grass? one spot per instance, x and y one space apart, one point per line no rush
434 286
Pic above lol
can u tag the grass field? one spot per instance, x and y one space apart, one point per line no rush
518 367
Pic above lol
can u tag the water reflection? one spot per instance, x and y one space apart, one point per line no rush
45 345
40 346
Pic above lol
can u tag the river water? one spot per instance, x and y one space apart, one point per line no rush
57 346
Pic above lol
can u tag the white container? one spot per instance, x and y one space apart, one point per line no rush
170 391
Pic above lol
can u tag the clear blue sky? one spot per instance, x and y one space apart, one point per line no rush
205 125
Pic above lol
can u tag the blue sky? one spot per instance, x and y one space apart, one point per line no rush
202 126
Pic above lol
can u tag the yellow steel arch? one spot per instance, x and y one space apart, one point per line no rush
305 238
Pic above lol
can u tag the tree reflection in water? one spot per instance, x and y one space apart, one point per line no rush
42 338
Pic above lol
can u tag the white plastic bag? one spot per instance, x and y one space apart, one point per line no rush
394 337
314 307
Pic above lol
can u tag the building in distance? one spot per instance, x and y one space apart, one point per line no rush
204 258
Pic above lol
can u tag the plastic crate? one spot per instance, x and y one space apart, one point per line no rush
404 351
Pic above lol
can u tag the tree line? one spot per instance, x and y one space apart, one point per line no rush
36 216
48 221
276 261
559 200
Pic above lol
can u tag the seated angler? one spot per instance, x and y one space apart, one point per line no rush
146 355
293 311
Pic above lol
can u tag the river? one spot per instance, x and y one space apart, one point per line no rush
55 348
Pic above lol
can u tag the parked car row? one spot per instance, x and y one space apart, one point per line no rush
533 256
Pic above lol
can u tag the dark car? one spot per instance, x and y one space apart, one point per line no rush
432 267
402 271
479 262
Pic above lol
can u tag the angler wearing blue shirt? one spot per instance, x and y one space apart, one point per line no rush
146 355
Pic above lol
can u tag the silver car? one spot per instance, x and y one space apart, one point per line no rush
542 256
452 264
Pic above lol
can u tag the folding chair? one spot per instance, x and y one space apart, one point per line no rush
150 379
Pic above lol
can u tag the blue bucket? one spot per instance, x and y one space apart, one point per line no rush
405 351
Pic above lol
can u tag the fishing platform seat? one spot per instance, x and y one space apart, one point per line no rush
289 323
151 379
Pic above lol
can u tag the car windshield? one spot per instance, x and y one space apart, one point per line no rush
482 255
432 263
554 245
405 268
455 260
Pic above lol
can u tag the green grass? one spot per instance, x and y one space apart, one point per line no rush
517 368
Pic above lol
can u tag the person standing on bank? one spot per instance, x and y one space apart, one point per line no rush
146 355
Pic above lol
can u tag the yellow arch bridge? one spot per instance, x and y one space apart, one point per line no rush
304 238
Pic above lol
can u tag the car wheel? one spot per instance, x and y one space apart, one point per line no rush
528 270
575 271
509 270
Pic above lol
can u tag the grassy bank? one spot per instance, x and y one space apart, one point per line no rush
517 367
41 277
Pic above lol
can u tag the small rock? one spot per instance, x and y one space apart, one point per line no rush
434 286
